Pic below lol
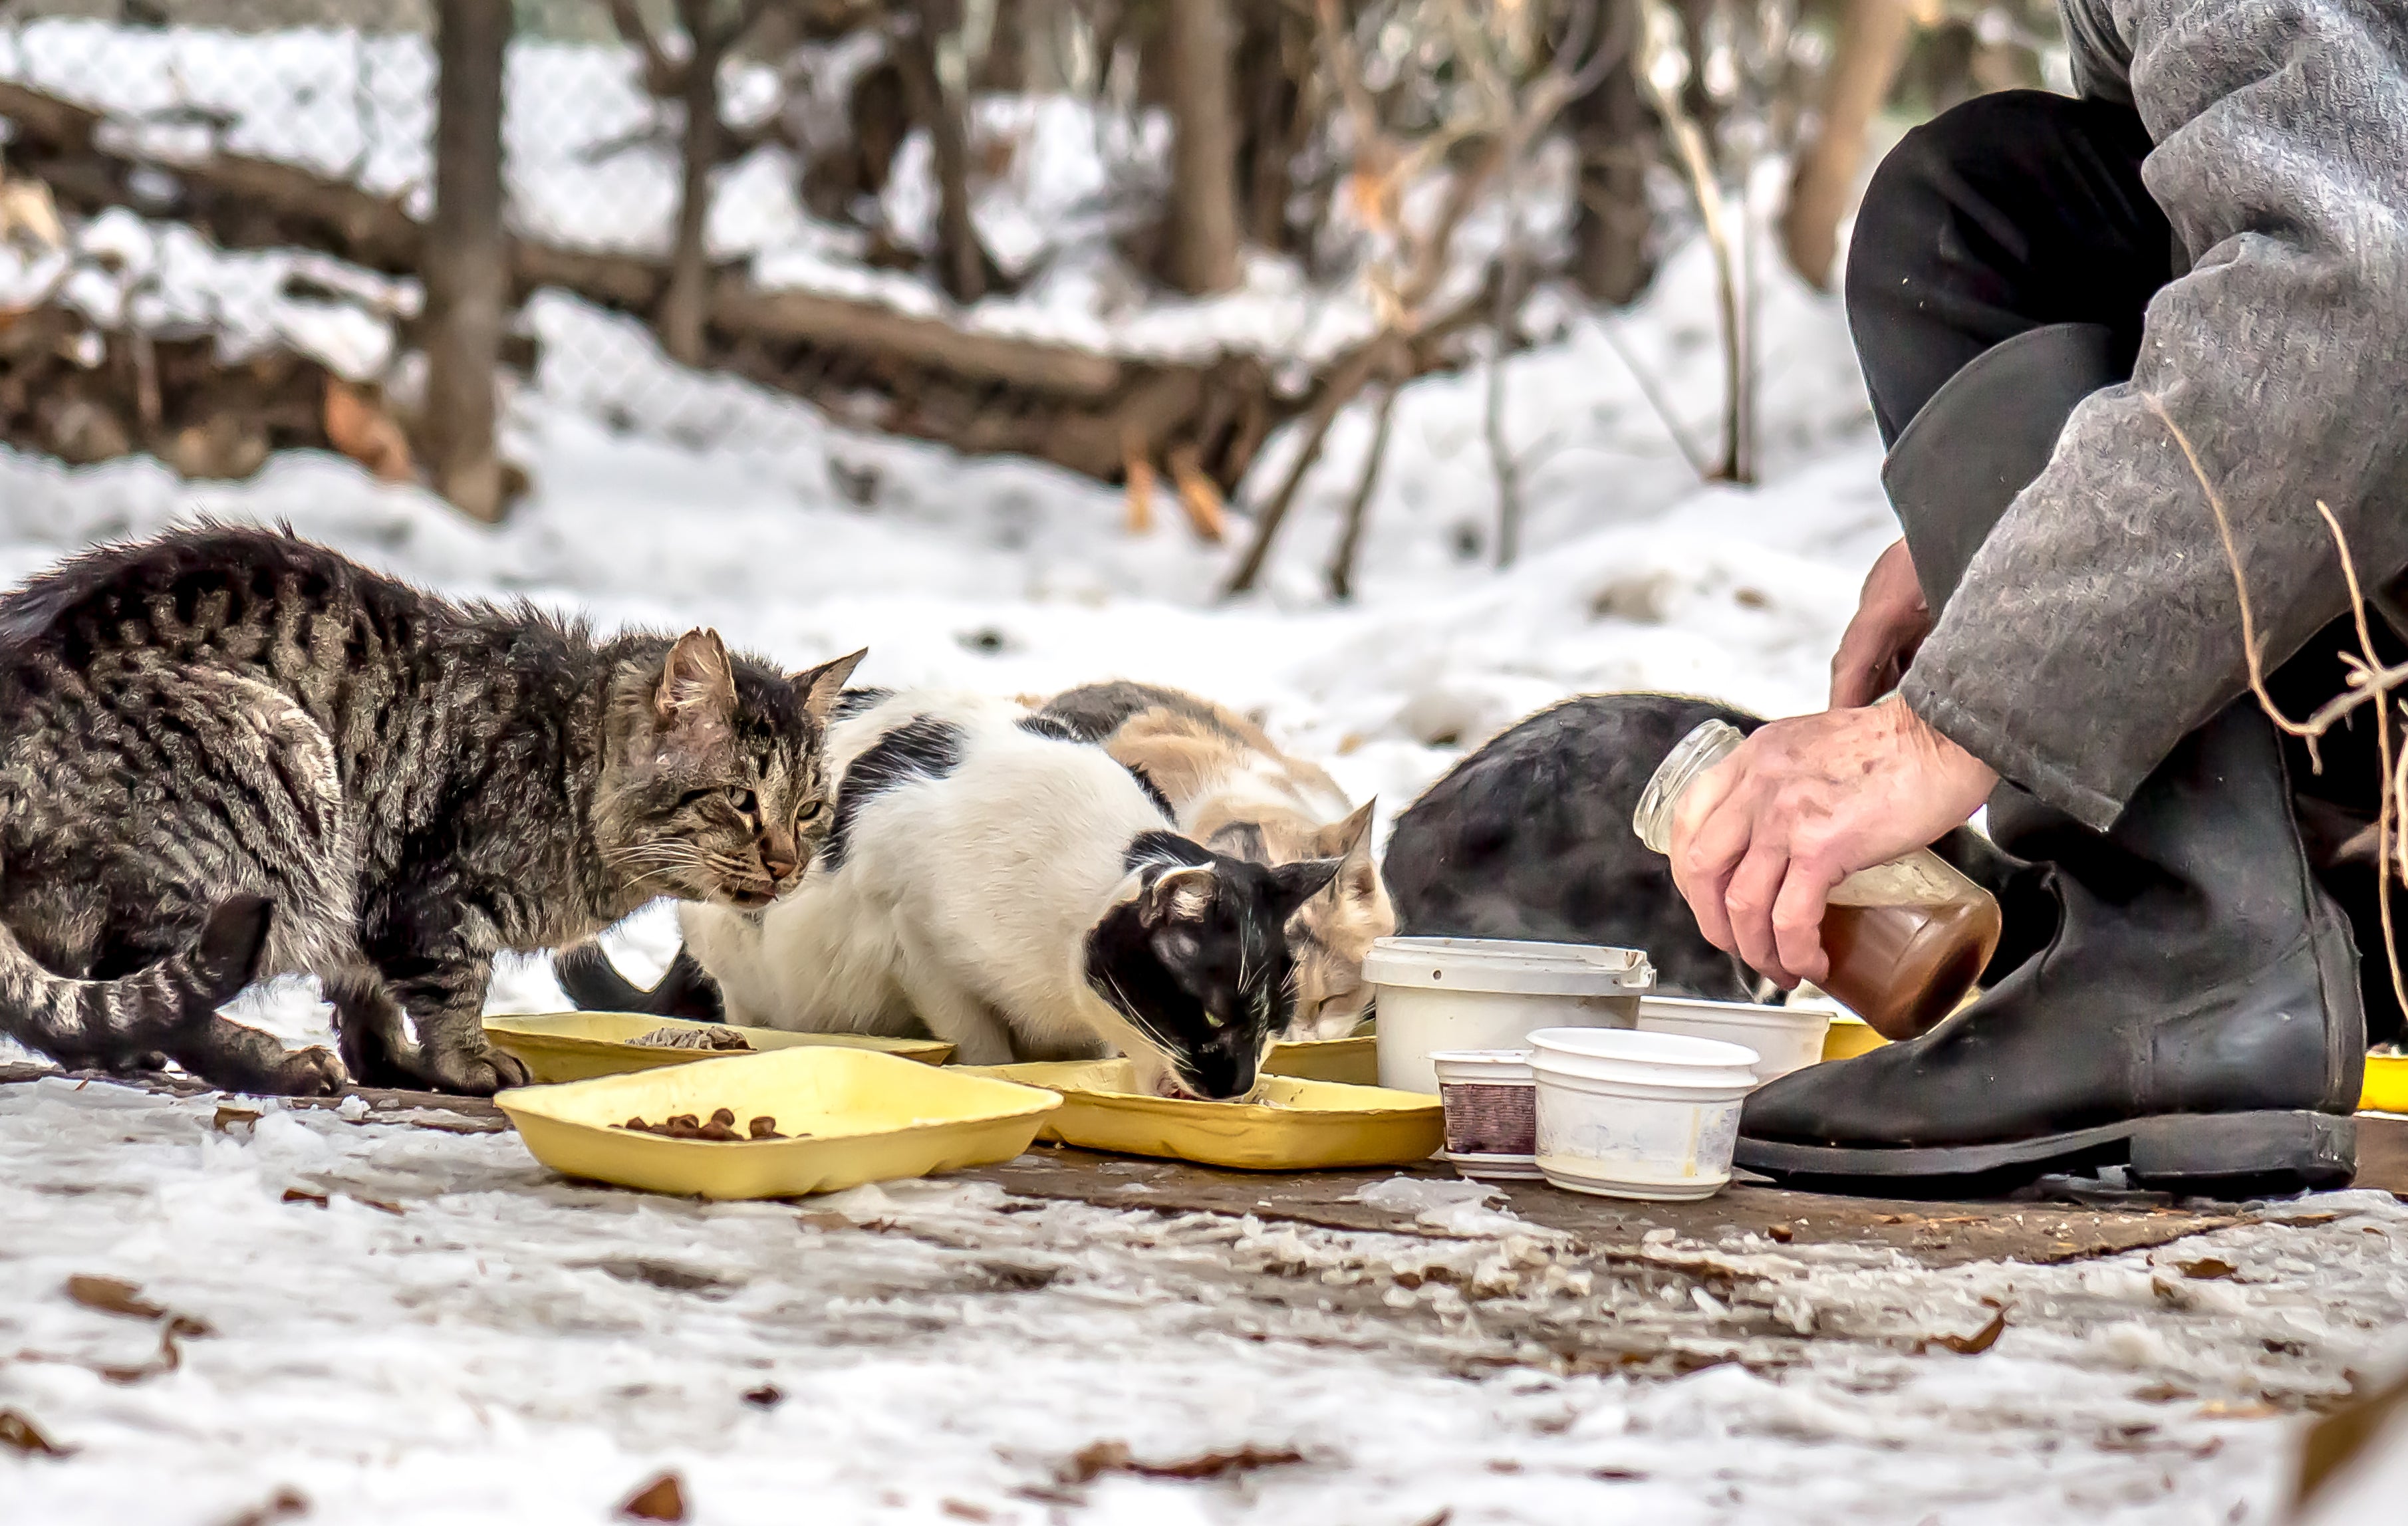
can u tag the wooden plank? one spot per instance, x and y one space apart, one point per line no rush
1932 1234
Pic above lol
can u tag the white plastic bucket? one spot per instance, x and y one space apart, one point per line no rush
1492 993
1649 1115
1785 1038
1491 1117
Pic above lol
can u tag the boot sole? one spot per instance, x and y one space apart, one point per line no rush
2194 1154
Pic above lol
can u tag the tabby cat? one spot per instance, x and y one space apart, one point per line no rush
1020 895
1231 788
231 754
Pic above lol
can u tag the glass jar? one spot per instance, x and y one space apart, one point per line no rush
1907 939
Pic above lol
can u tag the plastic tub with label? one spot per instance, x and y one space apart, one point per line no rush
1491 1117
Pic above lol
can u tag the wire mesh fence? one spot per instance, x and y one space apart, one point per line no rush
821 204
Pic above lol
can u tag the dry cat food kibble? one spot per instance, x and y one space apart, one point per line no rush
720 1128
692 1038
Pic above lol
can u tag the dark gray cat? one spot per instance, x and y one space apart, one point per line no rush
228 754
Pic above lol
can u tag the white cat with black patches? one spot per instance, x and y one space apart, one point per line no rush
1021 895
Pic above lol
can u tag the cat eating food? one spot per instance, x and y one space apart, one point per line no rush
231 754
1229 788
1020 896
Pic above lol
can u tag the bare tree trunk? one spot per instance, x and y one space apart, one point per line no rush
1616 138
1199 49
466 267
686 302
1872 43
961 264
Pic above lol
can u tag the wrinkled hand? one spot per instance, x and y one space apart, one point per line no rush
1759 840
1890 623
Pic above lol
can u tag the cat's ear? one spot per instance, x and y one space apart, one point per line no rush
1183 894
1349 842
820 687
1294 884
696 697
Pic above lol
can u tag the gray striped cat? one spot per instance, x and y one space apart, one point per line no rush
228 754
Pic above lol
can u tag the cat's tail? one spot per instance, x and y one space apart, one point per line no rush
117 1022
685 989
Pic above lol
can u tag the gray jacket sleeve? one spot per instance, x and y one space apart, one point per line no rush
2098 623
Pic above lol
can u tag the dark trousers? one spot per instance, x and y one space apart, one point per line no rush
2023 209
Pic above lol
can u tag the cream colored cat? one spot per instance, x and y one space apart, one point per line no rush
1231 788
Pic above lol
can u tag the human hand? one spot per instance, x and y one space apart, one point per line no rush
1759 840
1890 622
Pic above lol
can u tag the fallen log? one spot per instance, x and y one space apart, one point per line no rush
920 377
86 394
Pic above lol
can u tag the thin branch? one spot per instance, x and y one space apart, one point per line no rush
1358 507
1344 386
1657 401
658 67
2369 680
1697 160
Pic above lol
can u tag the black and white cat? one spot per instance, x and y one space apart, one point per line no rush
1020 893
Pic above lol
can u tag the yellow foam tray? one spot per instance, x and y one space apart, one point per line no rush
580 1045
1849 1036
1289 1124
2387 1084
1355 1061
866 1117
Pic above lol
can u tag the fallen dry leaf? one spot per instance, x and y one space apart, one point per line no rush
822 1220
1780 1234
113 1295
2207 1268
1093 1462
767 1396
359 427
2218 1410
285 1504
1978 1342
23 1437
965 1510
296 1194
229 1118
663 1499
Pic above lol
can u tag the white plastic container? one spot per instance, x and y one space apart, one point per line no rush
1785 1038
1492 1112
1649 1116
1492 993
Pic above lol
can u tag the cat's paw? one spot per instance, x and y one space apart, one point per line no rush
477 1072
310 1072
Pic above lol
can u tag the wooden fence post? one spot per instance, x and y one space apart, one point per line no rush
466 262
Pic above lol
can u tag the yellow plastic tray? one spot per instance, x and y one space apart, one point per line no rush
869 1117
2387 1085
1849 1036
580 1045
1355 1061
1291 1125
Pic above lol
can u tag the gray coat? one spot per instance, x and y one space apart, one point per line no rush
2098 623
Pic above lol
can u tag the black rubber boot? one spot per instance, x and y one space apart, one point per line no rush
2192 1014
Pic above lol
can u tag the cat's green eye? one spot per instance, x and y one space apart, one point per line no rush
809 811
743 800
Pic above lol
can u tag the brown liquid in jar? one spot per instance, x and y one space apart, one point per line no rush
1902 968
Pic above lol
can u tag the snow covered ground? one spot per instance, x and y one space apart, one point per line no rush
495 1345
511 1347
